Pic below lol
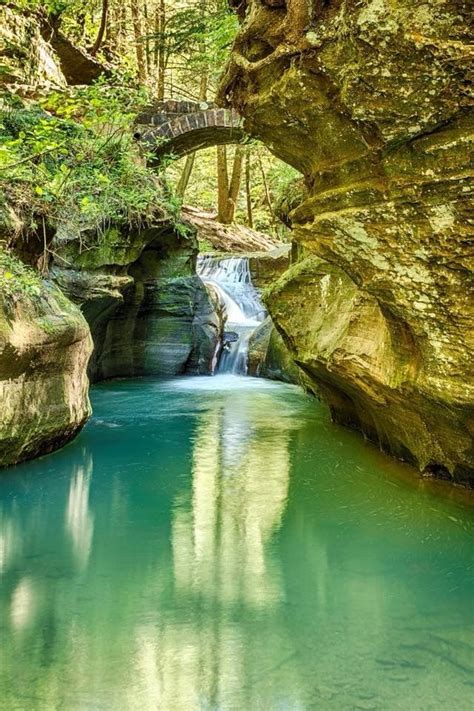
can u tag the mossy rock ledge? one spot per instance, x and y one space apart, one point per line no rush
45 345
370 102
148 311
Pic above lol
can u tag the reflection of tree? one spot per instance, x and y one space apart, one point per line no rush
181 620
79 521
35 575
10 539
220 563
240 485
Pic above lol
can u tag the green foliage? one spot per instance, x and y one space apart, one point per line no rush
198 37
107 105
16 279
55 7
69 162
79 174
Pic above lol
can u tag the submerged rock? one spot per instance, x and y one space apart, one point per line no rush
45 344
370 101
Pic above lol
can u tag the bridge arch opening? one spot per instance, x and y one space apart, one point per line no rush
177 128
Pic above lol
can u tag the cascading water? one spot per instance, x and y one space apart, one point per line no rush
231 279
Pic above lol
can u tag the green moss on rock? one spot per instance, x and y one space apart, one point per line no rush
369 101
45 344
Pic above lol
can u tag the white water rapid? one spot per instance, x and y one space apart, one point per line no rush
231 279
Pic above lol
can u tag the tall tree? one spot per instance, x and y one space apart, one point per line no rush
138 35
228 191
222 184
103 24
147 28
267 193
189 163
248 187
158 49
234 186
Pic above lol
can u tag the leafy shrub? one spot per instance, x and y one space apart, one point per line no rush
16 279
69 160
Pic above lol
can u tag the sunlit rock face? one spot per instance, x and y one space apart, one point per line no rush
27 59
269 357
45 345
370 101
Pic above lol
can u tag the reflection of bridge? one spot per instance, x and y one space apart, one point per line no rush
180 127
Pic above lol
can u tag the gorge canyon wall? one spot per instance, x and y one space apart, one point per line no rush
148 311
372 102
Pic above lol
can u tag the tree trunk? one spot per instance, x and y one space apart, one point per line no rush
222 184
234 186
160 50
203 87
111 40
103 25
185 175
189 164
248 188
137 32
122 28
147 38
267 194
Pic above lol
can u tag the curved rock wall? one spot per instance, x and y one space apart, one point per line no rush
149 313
371 101
270 358
45 344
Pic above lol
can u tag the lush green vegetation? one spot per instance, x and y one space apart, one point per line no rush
16 279
68 159
68 162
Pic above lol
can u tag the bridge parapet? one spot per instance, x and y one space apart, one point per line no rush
180 127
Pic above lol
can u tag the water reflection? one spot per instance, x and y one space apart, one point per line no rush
224 549
10 541
239 491
221 560
22 604
79 521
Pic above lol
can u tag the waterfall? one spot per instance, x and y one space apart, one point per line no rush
231 279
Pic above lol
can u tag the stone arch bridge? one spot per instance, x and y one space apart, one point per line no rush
180 127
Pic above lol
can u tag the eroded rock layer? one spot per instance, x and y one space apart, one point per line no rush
26 58
270 358
45 344
371 101
149 313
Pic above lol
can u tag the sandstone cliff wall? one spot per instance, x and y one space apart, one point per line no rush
45 345
25 57
149 313
372 102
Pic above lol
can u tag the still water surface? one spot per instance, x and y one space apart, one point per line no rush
215 543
